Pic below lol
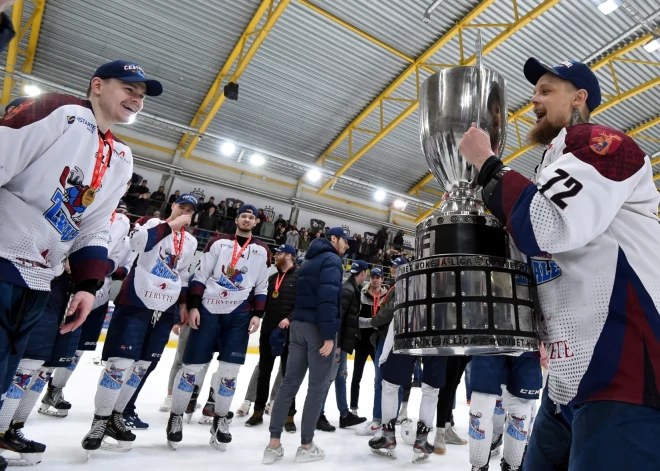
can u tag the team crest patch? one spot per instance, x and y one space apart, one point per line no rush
516 427
474 431
603 142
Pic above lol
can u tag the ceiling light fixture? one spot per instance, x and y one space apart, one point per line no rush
227 148
257 160
32 90
313 175
609 6
379 195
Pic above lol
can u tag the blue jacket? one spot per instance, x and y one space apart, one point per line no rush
318 289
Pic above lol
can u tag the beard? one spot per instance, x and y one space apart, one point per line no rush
543 134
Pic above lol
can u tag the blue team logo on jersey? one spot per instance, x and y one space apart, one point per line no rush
69 203
474 431
165 265
516 427
545 270
232 283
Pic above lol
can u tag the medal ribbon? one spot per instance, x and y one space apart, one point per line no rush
102 164
278 280
237 254
178 244
377 301
112 218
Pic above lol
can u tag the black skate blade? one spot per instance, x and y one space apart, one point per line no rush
391 454
58 413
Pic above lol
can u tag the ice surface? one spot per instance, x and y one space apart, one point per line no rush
344 450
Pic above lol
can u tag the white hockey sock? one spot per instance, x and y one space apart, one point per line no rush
224 386
531 421
130 385
389 401
480 429
16 391
184 383
499 414
112 379
62 374
37 383
517 428
429 405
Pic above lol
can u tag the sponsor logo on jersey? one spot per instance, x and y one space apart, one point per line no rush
65 215
516 427
545 270
605 142
474 431
70 119
559 350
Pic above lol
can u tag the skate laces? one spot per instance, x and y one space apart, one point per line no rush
118 422
57 395
98 429
176 423
221 424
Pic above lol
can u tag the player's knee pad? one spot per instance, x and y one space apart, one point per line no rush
226 377
518 417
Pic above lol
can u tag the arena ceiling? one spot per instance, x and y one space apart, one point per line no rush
333 85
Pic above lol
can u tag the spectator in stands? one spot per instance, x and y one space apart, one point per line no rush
141 205
397 243
222 214
304 241
143 188
209 204
261 218
156 214
173 198
293 237
268 228
364 248
158 198
230 224
280 222
207 223
355 253
381 239
280 236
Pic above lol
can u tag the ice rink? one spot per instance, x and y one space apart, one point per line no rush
344 450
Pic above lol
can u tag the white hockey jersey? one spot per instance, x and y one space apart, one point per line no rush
120 255
47 159
590 226
157 280
245 290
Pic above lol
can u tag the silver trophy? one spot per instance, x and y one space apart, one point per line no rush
466 293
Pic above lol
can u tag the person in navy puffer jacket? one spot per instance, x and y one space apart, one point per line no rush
312 339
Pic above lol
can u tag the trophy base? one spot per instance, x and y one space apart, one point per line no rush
452 344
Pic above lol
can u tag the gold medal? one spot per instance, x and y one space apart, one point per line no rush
230 271
275 294
88 197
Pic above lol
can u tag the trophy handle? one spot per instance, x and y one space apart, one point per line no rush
480 67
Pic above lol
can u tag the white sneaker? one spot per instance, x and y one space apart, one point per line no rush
306 455
166 406
244 409
439 443
371 428
268 408
271 455
452 437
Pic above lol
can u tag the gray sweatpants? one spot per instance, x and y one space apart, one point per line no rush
304 345
178 361
251 394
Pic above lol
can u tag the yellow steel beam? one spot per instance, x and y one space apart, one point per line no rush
36 19
215 97
12 52
414 69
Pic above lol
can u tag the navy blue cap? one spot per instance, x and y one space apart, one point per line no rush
16 102
189 199
339 232
286 248
128 72
247 208
358 266
376 272
399 261
299 260
575 72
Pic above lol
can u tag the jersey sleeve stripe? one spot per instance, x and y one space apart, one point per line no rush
89 263
156 234
510 202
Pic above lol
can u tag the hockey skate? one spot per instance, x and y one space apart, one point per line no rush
53 402
244 409
482 468
192 404
504 466
122 438
385 445
422 448
220 436
94 437
209 410
174 430
14 441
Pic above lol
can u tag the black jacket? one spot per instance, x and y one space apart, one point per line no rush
381 321
350 309
282 306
